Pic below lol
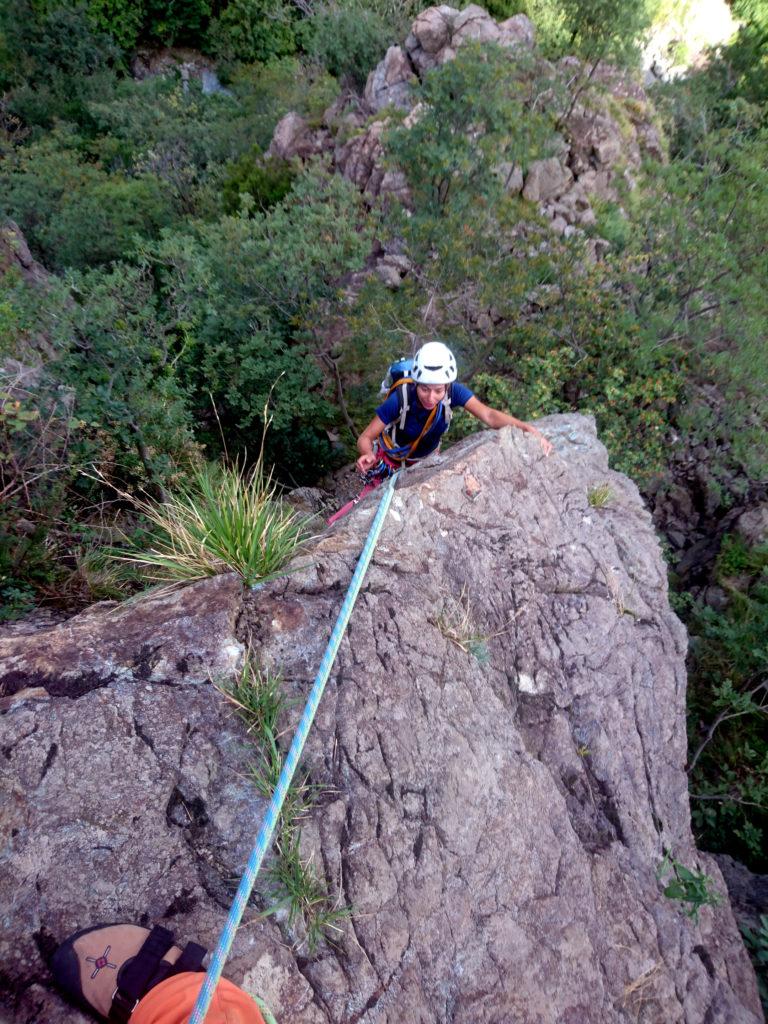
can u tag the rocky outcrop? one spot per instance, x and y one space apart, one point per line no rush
15 256
438 32
605 135
389 84
501 746
546 179
293 137
361 161
181 637
17 260
747 892
177 60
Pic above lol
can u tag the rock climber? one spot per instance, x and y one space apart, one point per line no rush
394 438
123 972
410 423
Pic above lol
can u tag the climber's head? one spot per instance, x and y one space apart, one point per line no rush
434 364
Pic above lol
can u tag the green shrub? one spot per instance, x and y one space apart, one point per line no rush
56 61
118 354
737 558
72 212
612 224
123 20
266 181
692 888
583 349
727 707
163 121
247 289
103 223
253 30
348 41
503 9
38 435
176 22
169 22
266 92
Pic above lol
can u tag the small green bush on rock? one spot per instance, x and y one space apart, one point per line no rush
348 41
265 181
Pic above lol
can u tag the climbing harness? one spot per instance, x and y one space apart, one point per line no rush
442 410
269 823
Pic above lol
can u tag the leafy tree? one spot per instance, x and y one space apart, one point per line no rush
608 30
108 403
56 62
120 19
348 41
698 241
174 22
253 30
179 135
478 114
119 355
245 290
595 30
74 213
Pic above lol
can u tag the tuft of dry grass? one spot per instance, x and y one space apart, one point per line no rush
456 623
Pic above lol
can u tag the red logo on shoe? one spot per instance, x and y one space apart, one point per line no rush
100 961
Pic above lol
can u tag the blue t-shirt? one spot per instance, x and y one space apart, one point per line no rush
416 417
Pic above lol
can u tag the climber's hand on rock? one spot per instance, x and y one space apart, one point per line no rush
546 446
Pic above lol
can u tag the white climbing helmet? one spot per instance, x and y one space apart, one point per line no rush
434 364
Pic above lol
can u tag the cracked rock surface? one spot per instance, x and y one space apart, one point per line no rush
493 815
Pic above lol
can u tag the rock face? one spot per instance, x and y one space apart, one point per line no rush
389 84
15 255
438 32
502 741
547 179
16 259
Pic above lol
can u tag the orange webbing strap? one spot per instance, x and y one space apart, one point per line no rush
409 454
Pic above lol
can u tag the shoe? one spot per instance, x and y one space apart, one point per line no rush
108 968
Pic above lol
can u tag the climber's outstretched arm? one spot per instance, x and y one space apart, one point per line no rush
497 419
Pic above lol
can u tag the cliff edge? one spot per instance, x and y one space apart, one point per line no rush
494 812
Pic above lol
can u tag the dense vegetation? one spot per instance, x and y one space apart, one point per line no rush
191 277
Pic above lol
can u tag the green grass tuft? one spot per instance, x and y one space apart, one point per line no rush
293 884
600 496
225 519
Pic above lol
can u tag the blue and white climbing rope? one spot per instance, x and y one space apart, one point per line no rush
269 824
